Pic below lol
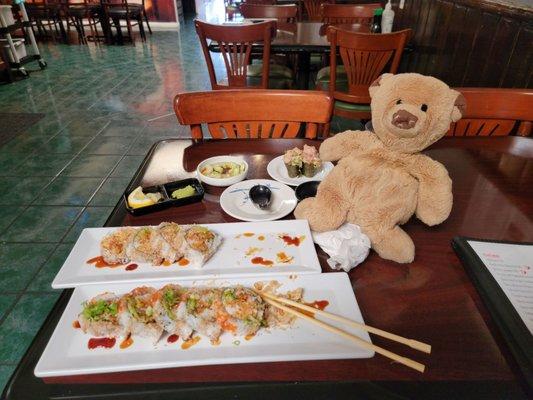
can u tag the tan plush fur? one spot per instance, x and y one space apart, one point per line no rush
381 179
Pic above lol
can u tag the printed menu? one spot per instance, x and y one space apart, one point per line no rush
511 265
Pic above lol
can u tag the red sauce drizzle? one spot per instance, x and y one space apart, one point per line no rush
100 263
183 262
131 267
172 338
262 261
291 241
318 304
126 342
76 324
106 342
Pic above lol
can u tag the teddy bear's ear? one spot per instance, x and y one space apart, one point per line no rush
459 106
375 85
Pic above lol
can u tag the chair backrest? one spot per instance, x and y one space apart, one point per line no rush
283 13
495 112
365 56
235 44
348 13
254 113
312 7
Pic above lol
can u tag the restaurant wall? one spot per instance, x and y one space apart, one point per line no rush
470 42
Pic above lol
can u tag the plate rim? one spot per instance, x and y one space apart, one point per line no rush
289 182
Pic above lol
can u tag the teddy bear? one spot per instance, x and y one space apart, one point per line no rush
381 178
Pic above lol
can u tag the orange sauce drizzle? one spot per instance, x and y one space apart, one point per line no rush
166 263
318 304
262 261
261 238
183 262
190 342
292 241
76 324
248 234
100 263
126 342
250 336
215 342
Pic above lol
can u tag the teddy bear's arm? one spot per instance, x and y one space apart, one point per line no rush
342 144
435 197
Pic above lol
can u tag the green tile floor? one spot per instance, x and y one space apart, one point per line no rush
69 170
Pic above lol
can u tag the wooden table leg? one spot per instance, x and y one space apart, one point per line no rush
302 74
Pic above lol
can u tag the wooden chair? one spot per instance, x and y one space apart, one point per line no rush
364 57
283 13
84 14
312 8
248 113
140 4
120 10
235 43
348 13
495 112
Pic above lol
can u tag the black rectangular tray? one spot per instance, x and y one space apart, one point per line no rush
166 190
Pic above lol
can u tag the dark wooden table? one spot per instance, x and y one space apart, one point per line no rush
303 39
431 299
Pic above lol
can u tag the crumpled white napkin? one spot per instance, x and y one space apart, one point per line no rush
347 246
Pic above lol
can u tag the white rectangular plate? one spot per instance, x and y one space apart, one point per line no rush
67 352
233 257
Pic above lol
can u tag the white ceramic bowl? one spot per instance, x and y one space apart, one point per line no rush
222 181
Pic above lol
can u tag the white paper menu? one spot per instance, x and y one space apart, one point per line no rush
511 265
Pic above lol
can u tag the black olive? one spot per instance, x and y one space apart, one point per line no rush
424 107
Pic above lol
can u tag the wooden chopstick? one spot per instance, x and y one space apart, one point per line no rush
415 344
362 343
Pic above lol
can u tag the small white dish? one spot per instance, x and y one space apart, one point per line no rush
278 171
222 181
236 202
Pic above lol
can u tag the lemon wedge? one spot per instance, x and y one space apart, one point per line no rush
138 199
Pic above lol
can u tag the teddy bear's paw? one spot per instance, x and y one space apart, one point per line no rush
396 246
321 219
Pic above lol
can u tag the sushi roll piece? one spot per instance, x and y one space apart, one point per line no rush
136 314
165 303
114 246
172 236
200 244
148 246
199 310
99 316
245 311
311 161
293 162
277 318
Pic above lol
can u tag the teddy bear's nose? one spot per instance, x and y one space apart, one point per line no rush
404 119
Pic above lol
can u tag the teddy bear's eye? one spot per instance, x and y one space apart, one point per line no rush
424 107
399 101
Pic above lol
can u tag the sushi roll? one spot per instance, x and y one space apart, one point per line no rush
293 162
114 246
311 161
99 316
200 244
136 314
172 237
199 310
165 303
245 311
277 318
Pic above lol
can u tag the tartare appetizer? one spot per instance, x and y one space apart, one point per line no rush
166 243
183 311
302 162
